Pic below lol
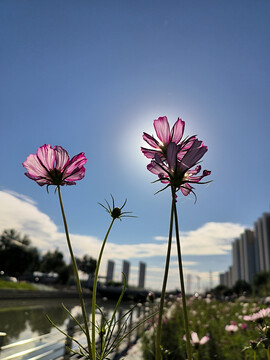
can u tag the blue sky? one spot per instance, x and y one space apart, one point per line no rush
91 76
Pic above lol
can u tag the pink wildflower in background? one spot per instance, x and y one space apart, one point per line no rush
52 166
243 326
231 328
195 341
258 316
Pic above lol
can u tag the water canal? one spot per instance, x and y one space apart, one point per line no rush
25 319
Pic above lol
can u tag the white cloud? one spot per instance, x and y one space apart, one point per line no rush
185 263
211 239
22 214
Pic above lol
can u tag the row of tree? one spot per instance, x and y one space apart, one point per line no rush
19 258
260 287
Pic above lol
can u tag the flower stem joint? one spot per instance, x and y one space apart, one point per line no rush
116 212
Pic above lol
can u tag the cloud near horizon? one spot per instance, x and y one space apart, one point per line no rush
213 238
22 214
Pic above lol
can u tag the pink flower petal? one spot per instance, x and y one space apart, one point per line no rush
194 337
172 151
162 128
61 158
196 179
195 171
157 170
204 340
194 154
150 154
150 140
76 175
42 182
186 189
46 156
34 167
177 131
75 170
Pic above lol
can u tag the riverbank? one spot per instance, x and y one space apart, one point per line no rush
42 293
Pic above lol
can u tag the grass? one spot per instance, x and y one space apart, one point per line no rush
209 317
17 286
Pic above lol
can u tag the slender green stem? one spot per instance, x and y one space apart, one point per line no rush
94 295
188 345
268 353
254 354
76 274
165 278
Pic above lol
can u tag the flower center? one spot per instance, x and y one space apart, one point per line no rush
56 176
186 177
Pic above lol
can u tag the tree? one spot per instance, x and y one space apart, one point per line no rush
52 261
17 257
220 291
241 287
261 283
87 264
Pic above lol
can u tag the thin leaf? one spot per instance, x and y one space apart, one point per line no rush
67 335
76 321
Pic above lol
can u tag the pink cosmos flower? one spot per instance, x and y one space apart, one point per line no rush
195 341
52 166
231 328
258 316
178 173
166 137
243 326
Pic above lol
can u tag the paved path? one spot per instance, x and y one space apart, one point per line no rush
135 352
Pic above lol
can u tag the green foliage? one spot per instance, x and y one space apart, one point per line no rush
220 291
241 287
64 274
87 264
16 285
261 283
52 261
207 317
17 257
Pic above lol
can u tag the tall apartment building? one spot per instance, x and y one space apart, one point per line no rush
262 236
247 256
141 275
110 269
236 266
250 253
125 270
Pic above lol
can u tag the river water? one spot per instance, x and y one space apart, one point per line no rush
24 319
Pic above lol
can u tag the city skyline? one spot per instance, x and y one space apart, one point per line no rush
250 253
92 76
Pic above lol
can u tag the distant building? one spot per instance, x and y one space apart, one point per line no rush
236 268
142 267
222 279
263 240
125 270
250 253
260 260
110 269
